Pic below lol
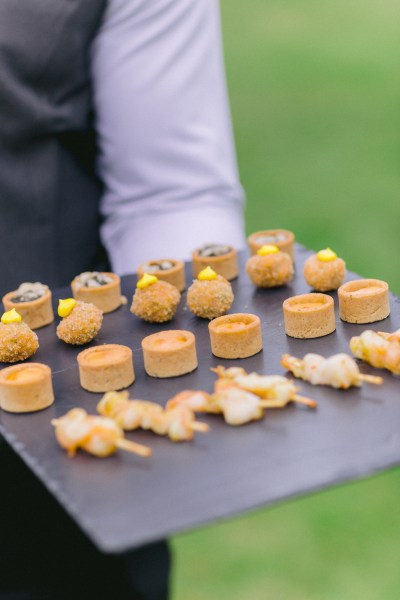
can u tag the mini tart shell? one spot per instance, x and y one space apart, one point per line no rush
26 388
35 313
225 265
175 275
324 276
106 297
106 368
271 270
169 353
235 336
364 301
309 315
285 245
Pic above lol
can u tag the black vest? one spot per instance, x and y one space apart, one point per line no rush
49 194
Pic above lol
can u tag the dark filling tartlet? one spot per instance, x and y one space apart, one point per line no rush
28 292
271 239
210 250
92 279
154 266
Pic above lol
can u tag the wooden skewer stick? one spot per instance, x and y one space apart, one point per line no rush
375 379
304 400
199 426
134 447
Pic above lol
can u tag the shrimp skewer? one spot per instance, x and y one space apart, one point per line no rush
97 435
178 422
380 350
338 371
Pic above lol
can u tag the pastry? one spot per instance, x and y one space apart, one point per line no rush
364 301
169 353
324 271
26 388
309 315
17 340
101 289
221 258
33 302
270 267
278 237
105 368
155 301
81 321
210 295
165 269
235 336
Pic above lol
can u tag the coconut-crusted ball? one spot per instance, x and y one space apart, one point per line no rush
81 325
324 276
210 298
156 303
270 270
17 342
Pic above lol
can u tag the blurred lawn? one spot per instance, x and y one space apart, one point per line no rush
315 95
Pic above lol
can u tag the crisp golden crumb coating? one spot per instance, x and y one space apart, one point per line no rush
17 342
157 303
270 270
324 276
81 325
210 299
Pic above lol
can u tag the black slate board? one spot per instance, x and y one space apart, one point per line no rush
125 501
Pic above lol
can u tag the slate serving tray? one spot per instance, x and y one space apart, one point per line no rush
125 501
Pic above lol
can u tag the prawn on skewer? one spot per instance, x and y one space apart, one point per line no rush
378 349
177 422
338 371
99 436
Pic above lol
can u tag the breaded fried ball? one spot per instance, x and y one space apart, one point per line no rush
270 270
17 342
81 325
210 298
156 303
324 276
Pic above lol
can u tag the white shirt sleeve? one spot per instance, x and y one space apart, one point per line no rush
167 155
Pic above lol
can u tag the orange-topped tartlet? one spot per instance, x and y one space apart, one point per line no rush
105 368
235 336
169 353
26 388
364 301
309 315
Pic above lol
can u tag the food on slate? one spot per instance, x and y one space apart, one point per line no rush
81 322
324 271
270 267
210 295
17 340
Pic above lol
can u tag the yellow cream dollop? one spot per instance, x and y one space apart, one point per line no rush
207 274
11 316
65 307
267 249
326 255
146 280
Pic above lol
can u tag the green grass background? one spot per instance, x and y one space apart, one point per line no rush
315 95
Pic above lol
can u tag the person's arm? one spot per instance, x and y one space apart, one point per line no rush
167 155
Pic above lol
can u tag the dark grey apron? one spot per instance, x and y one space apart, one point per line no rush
49 220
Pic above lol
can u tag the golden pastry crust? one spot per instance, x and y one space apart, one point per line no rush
211 298
270 270
282 238
17 342
169 353
364 301
235 336
224 264
309 315
106 297
324 276
26 388
35 313
175 275
157 303
106 368
82 324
